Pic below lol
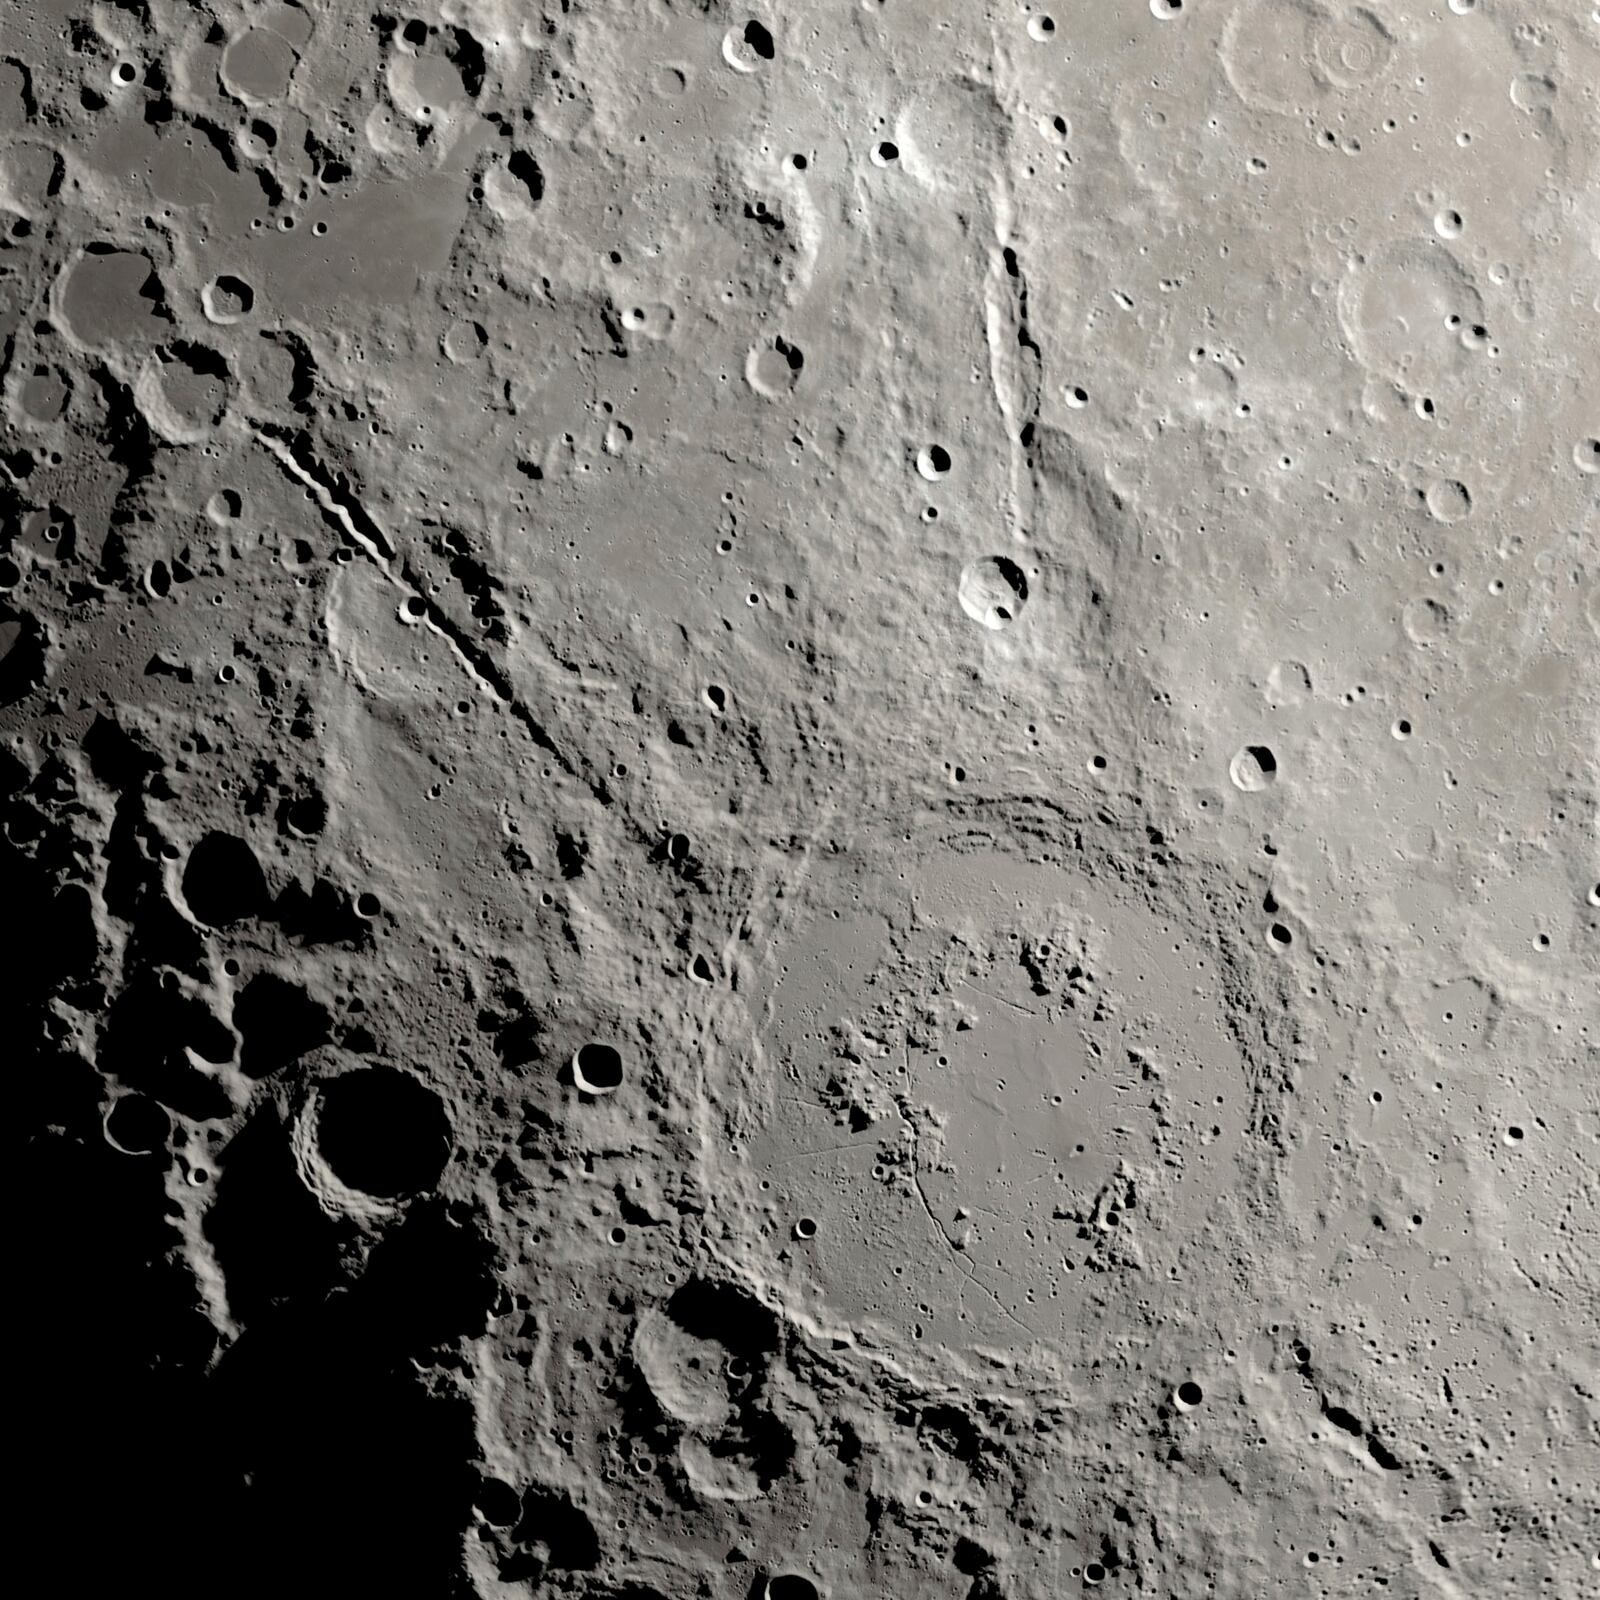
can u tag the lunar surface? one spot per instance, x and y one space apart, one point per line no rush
798 802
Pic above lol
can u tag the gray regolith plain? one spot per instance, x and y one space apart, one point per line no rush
799 801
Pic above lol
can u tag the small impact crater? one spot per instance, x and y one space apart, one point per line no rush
137 1125
1253 769
773 369
747 47
227 299
791 1586
597 1069
223 882
382 1132
993 591
1447 500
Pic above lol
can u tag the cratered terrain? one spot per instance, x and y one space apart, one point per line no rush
798 801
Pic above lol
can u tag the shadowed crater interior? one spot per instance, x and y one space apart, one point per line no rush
223 882
383 1132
